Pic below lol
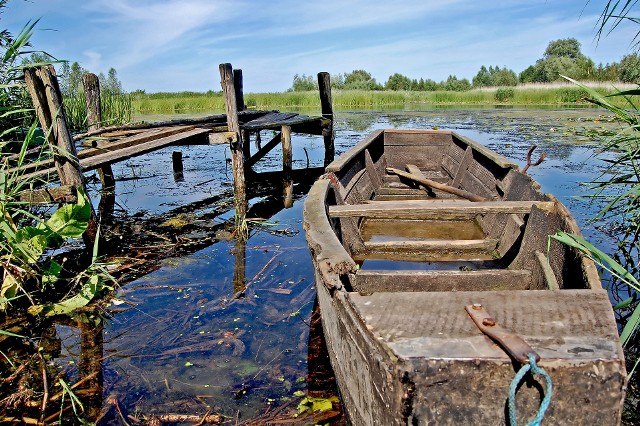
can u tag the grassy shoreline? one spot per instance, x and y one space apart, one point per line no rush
194 102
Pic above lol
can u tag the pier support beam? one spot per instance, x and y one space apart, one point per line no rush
43 87
237 157
324 86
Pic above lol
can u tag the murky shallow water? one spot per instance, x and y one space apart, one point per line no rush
182 344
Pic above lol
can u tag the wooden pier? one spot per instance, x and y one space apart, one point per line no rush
104 146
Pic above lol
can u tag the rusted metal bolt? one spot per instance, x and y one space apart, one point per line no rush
477 306
489 322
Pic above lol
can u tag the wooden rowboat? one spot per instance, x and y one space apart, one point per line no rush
401 265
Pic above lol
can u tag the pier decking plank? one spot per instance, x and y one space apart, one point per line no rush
113 156
275 120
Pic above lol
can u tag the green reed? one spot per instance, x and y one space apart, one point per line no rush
193 102
117 109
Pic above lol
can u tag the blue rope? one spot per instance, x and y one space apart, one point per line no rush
514 386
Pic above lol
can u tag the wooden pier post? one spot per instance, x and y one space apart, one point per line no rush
324 87
178 167
240 106
237 156
91 85
287 150
238 88
43 87
287 166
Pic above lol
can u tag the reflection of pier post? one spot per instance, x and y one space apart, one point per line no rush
240 267
321 380
324 86
90 365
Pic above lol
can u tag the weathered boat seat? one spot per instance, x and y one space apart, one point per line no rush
429 250
564 326
372 281
426 209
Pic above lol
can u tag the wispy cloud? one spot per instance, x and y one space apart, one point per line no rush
177 44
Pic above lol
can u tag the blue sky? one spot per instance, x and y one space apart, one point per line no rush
175 45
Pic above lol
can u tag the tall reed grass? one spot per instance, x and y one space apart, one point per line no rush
117 109
192 102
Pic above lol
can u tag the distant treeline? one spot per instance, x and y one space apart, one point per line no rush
562 57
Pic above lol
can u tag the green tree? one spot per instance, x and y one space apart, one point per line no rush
111 84
398 82
71 81
430 85
455 84
504 77
360 80
303 83
562 57
565 47
482 78
629 70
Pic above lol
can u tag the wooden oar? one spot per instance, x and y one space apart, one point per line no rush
436 185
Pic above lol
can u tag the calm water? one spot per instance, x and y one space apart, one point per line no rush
176 340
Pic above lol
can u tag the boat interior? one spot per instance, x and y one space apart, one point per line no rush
405 235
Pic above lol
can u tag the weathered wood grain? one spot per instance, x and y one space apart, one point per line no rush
370 281
427 209
237 153
436 185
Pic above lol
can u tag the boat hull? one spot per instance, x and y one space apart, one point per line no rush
401 344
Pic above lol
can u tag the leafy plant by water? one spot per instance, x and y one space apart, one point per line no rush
619 189
34 275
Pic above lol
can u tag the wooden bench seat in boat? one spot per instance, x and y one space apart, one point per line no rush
372 281
426 209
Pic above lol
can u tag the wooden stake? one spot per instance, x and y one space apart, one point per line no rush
178 168
324 86
287 150
237 160
43 87
91 85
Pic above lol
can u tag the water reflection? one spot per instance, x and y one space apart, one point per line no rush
224 328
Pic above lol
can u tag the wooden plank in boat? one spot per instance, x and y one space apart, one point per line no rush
341 162
370 281
512 232
560 325
419 209
485 245
416 137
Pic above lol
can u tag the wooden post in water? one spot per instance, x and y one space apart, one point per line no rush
287 166
324 86
91 85
43 87
238 86
237 158
178 167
